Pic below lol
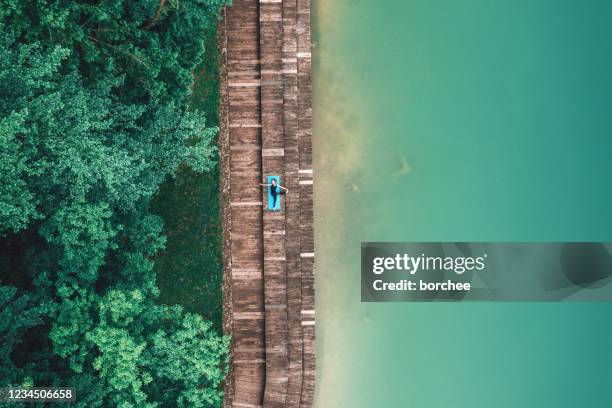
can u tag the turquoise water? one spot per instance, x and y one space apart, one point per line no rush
468 121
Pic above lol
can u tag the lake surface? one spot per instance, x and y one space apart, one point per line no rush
460 121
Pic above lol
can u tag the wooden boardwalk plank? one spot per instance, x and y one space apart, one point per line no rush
247 374
269 257
306 196
273 143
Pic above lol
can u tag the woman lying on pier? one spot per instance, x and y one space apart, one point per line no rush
275 191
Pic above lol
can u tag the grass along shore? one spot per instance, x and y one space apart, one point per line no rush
190 269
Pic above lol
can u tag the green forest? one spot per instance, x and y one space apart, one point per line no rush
110 263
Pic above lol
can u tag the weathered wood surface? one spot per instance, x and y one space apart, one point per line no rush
269 261
244 265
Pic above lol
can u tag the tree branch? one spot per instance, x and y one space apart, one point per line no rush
149 23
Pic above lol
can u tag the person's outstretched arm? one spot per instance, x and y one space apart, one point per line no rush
264 184
284 188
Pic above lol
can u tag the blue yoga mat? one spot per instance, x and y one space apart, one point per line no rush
270 198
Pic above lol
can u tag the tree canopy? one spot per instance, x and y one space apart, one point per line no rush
94 116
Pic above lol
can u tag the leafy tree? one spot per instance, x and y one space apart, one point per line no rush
94 116
17 315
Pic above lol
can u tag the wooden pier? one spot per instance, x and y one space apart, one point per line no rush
269 256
